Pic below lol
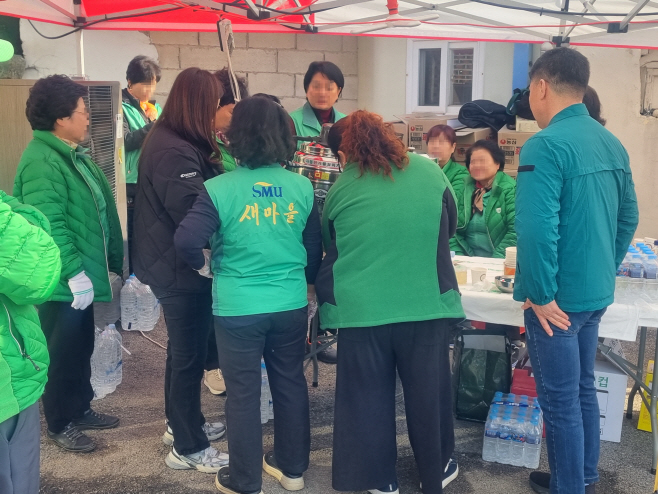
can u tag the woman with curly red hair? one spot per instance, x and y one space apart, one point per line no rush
388 284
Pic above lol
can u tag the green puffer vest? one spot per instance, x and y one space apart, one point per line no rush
49 179
135 122
29 272
498 216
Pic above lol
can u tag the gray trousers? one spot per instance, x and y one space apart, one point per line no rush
19 452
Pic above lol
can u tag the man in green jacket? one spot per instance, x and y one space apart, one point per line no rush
29 272
576 213
58 177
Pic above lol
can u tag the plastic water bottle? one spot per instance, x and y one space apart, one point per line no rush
148 308
636 268
491 432
129 304
533 444
518 439
106 362
651 267
504 443
264 394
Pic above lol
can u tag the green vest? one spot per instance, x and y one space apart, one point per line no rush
258 257
307 124
135 121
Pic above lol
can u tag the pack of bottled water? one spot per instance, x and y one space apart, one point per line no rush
513 431
106 361
266 410
140 309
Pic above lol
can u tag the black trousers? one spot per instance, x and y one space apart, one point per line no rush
189 321
365 449
131 191
280 339
212 359
70 336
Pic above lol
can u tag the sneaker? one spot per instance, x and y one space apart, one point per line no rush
288 481
389 489
223 483
72 439
214 431
451 471
540 482
94 420
328 355
214 381
207 461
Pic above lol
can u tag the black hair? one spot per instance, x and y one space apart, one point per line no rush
593 103
566 70
268 96
52 98
143 69
335 136
224 78
260 133
496 153
330 70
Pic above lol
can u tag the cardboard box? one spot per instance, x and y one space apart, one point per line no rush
467 137
610 385
524 125
644 422
418 124
401 130
511 143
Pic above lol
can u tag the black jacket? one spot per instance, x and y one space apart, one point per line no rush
134 139
484 113
171 175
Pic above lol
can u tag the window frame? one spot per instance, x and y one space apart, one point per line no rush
413 73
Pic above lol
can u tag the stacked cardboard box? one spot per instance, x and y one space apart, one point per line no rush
466 137
414 128
511 142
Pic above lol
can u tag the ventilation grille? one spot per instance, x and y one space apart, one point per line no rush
101 139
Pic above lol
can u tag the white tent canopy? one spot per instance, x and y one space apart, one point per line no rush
583 22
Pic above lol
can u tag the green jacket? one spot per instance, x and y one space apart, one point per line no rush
29 272
51 176
498 215
228 161
388 258
576 213
307 124
457 174
135 120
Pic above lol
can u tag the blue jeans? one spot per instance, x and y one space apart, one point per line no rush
564 371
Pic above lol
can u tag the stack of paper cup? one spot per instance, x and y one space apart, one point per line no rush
510 261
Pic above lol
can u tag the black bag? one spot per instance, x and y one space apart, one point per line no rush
482 365
484 113
520 104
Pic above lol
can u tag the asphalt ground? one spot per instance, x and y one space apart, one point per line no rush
130 459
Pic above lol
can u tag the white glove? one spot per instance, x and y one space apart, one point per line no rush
205 270
82 290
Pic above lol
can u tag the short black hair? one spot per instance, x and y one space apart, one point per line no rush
143 69
496 153
260 133
329 69
224 78
52 98
566 70
268 96
593 104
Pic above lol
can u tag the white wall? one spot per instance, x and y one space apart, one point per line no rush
498 72
107 53
382 75
615 74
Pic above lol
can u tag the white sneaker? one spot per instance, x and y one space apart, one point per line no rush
214 431
214 381
207 461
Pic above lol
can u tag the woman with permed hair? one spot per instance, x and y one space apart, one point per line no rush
264 230
387 282
58 177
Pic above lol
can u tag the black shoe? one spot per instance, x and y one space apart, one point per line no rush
328 355
223 483
540 482
451 471
95 420
391 488
72 439
290 482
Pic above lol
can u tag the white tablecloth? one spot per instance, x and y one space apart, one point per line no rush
620 320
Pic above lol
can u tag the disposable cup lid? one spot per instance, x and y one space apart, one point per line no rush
6 50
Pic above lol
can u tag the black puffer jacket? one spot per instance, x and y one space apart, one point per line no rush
171 174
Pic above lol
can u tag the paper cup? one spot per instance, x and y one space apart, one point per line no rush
478 275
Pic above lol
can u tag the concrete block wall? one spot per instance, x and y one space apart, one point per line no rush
271 63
